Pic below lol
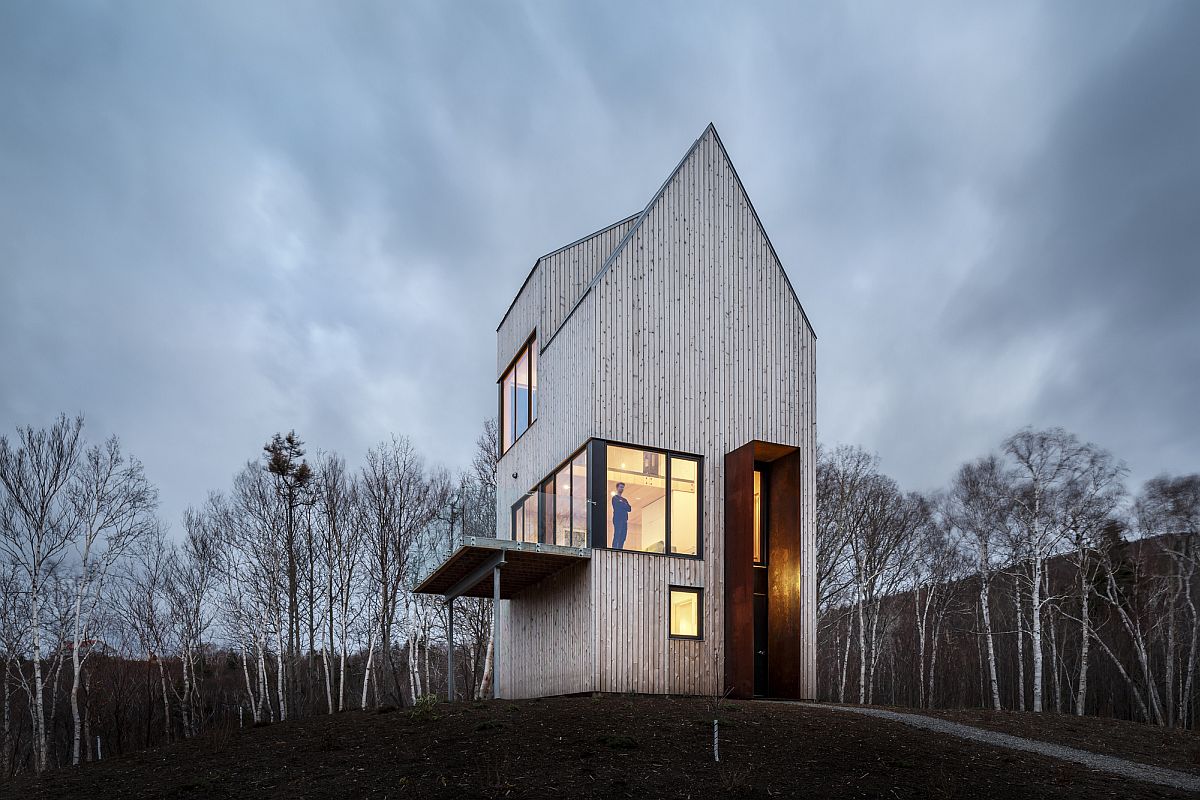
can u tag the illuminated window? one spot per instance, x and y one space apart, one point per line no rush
518 396
556 512
641 514
579 500
685 506
758 537
687 619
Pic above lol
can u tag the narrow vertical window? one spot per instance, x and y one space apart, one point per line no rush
521 407
524 519
758 537
685 506
533 365
531 526
579 509
548 503
518 396
562 506
686 617
508 393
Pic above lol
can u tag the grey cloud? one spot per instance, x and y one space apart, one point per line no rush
226 219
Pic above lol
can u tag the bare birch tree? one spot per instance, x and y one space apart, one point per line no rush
114 506
37 525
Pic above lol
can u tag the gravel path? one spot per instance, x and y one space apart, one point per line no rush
1117 766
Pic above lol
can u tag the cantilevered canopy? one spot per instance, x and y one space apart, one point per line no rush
468 572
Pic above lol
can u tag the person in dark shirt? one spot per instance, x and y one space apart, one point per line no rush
621 509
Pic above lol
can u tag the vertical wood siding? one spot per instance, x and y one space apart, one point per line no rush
632 646
702 348
690 340
546 637
569 271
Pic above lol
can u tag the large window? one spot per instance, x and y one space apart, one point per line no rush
642 514
686 612
518 396
556 513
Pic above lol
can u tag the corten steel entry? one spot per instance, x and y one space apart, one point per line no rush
781 476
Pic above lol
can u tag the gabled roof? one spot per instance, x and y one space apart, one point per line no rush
655 200
542 258
640 218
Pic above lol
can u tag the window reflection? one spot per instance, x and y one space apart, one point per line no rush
518 396
524 523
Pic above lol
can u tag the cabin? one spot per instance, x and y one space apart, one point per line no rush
656 399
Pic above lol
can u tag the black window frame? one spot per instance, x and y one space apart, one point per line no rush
512 521
699 592
598 488
547 501
528 346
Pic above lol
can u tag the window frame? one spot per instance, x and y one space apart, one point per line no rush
764 510
533 366
548 511
598 487
699 592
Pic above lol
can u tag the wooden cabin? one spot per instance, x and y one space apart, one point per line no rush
656 483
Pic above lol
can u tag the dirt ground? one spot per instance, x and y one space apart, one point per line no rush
596 747
1160 747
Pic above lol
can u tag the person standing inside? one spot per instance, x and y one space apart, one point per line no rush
621 509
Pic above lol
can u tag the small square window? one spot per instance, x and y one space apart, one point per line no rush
687 613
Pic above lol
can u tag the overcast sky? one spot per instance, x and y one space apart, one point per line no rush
219 220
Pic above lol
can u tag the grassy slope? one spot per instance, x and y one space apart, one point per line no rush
581 747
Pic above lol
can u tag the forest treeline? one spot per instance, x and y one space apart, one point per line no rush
287 595
1035 581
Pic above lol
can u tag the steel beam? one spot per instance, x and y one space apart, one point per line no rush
479 573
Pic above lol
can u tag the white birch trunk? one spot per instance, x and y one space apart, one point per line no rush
4 757
862 655
1035 644
76 641
328 678
38 706
485 683
846 658
1020 644
920 623
281 693
1185 693
254 710
367 671
1085 626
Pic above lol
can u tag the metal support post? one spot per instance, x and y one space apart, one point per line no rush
450 651
496 632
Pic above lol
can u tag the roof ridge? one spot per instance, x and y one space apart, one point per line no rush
654 201
632 230
538 260
763 228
